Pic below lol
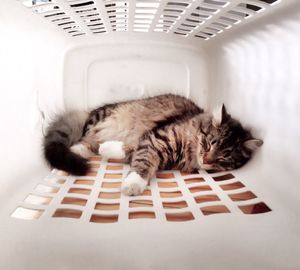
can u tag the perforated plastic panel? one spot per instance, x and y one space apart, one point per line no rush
201 19
171 196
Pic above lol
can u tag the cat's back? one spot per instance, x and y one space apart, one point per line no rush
131 119
159 107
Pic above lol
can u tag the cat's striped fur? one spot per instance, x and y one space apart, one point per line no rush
163 132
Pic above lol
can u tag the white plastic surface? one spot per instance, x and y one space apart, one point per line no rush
252 67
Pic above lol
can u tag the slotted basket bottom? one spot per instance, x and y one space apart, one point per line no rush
173 196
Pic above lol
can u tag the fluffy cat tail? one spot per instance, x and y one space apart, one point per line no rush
62 133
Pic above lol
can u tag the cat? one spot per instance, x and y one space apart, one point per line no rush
156 133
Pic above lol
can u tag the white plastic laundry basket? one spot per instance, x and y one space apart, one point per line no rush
64 54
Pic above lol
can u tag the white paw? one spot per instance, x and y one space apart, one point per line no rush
112 149
81 150
133 184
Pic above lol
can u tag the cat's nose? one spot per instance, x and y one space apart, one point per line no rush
208 159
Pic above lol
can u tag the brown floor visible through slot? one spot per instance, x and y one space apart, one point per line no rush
223 177
243 196
235 185
61 181
114 167
179 216
95 158
115 160
73 200
113 175
104 218
213 171
257 208
140 203
207 198
109 195
144 214
147 192
94 165
67 213
107 206
165 175
194 180
111 185
80 191
46 189
91 173
84 182
167 184
214 209
56 181
39 200
199 188
171 194
175 205
26 213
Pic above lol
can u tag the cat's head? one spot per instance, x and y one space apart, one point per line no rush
226 145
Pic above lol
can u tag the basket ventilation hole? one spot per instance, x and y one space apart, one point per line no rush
165 175
175 205
200 188
107 206
141 215
206 198
84 182
111 184
109 195
179 216
36 199
243 196
194 180
84 191
67 213
113 176
140 203
104 218
223 177
74 201
232 186
172 194
257 208
26 213
46 189
114 167
215 209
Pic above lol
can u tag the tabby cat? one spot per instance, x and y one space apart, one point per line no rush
162 132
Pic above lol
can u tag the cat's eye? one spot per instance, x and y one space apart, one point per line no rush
213 142
226 153
207 146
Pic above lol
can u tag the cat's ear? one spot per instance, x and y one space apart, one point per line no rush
253 144
220 116
225 115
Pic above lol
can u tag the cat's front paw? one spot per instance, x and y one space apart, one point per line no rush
133 184
112 149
